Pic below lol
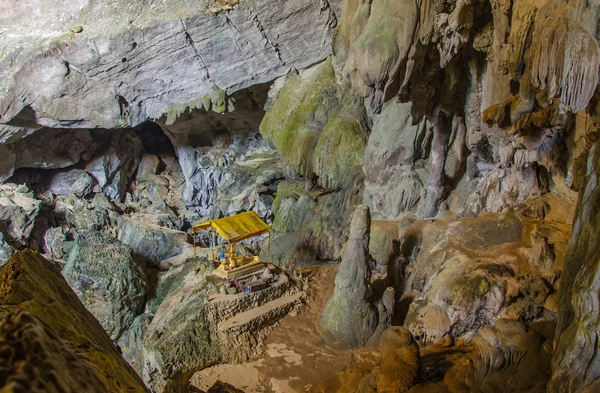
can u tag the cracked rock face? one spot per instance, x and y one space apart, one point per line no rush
82 62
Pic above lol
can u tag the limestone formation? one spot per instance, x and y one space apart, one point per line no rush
393 161
48 149
349 318
463 277
467 128
71 85
107 279
49 340
310 118
507 354
575 363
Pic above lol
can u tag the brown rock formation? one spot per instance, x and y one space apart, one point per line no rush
576 364
49 341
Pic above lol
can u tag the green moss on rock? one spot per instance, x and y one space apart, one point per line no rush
302 111
340 147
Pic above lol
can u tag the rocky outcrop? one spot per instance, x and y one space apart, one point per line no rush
45 326
220 327
349 318
18 211
312 116
462 276
107 279
75 181
83 75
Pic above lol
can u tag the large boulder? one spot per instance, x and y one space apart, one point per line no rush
49 341
349 318
154 243
18 210
115 162
97 214
107 279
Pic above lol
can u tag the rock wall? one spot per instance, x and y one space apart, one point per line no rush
103 65
575 364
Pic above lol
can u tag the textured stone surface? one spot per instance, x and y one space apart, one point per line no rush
393 154
18 210
220 328
107 279
576 365
115 162
400 366
467 273
6 250
312 116
75 181
50 341
508 354
85 79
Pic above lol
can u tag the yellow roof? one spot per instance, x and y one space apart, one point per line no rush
235 228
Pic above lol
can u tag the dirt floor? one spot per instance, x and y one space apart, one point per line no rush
294 358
